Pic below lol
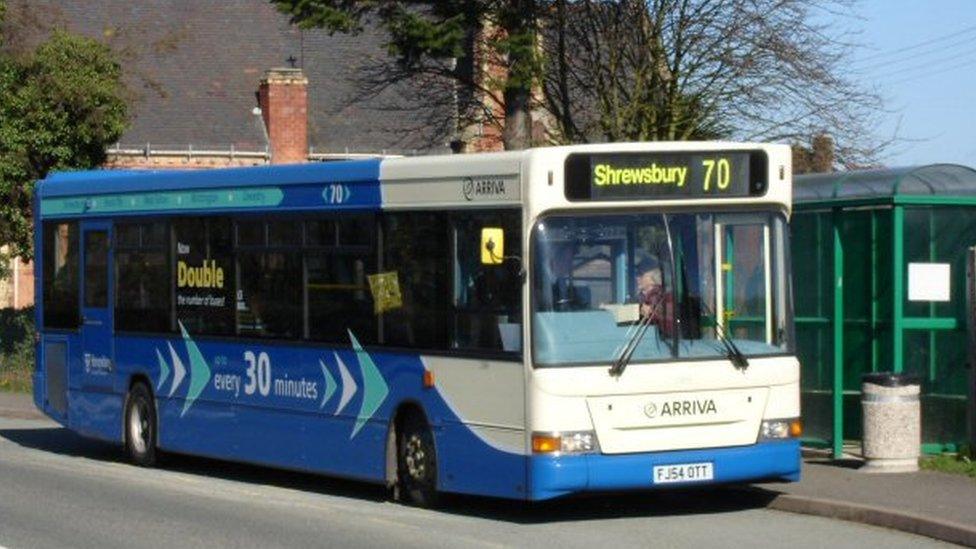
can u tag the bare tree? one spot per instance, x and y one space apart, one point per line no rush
447 96
764 70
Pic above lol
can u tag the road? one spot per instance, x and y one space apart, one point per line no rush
59 490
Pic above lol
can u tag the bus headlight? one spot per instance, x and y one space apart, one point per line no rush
777 429
570 442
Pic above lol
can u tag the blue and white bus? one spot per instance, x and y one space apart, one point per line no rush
523 324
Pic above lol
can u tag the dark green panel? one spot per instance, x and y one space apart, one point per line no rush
814 346
883 267
940 235
853 429
943 382
857 355
816 406
943 419
812 245
856 231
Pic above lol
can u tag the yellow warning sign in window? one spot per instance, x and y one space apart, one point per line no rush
385 288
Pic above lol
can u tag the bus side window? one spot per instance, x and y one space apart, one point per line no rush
487 298
205 274
340 253
414 247
143 282
60 272
269 290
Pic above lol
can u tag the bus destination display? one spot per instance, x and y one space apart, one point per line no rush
654 176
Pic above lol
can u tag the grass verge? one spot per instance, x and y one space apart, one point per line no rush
956 464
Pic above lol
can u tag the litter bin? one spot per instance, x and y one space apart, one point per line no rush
892 422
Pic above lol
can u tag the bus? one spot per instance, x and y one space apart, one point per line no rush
522 325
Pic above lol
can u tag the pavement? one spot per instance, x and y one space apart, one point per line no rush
928 503
19 406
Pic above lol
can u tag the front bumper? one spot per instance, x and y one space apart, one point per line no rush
551 477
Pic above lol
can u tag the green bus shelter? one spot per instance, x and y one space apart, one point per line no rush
879 270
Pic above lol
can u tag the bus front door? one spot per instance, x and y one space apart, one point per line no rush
744 278
97 364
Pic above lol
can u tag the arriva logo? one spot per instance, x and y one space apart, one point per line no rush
681 408
688 408
650 410
483 188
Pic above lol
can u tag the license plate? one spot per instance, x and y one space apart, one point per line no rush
685 472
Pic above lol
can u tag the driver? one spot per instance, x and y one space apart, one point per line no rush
656 305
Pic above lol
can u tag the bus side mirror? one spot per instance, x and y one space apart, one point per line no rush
492 245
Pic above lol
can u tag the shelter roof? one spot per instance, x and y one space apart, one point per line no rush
944 180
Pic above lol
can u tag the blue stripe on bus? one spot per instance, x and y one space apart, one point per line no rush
196 380
321 187
302 433
557 476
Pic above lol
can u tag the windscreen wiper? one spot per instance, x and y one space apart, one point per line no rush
628 351
733 353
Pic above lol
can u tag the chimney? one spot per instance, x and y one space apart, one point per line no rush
283 98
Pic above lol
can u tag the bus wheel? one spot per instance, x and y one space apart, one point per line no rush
416 463
140 426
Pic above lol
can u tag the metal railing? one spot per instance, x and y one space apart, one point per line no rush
188 152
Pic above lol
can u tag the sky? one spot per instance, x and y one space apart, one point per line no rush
920 55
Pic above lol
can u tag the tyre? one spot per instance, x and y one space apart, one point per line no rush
140 426
416 463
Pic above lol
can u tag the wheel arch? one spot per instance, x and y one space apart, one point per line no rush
140 377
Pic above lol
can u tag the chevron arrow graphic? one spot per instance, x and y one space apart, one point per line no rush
178 370
199 371
330 384
374 387
163 370
348 385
